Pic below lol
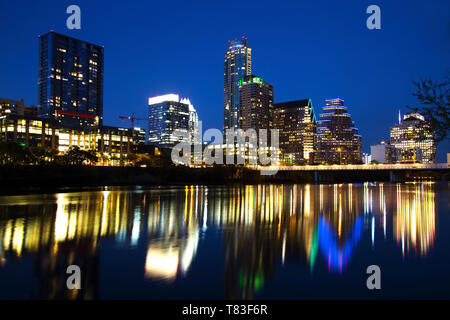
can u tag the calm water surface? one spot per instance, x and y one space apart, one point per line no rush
241 242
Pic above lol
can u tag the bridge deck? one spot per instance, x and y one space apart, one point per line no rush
416 166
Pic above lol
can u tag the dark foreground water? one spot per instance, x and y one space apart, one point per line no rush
242 242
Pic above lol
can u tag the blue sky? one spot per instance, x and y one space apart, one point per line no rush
307 49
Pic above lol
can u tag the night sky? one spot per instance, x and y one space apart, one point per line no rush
307 49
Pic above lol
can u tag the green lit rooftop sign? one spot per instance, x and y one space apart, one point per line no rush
248 80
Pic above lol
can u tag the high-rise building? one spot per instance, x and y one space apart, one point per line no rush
338 141
169 118
70 81
238 63
256 103
413 139
296 123
194 134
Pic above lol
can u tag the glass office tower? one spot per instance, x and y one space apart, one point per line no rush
70 81
413 140
238 63
338 141
296 122
167 117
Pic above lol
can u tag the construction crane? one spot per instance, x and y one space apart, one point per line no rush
132 118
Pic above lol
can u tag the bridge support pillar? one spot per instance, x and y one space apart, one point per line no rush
392 176
316 177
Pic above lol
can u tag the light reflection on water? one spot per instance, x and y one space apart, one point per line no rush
259 226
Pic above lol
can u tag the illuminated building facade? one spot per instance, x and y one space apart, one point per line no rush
17 107
108 142
70 81
338 141
194 134
413 140
296 123
238 63
138 136
30 133
8 106
241 153
169 120
256 103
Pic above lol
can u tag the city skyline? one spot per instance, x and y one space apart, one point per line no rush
267 62
224 159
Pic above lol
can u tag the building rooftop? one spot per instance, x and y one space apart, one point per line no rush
292 104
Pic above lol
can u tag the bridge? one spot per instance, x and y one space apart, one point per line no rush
399 166
391 172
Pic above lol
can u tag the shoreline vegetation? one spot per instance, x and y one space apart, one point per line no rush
37 178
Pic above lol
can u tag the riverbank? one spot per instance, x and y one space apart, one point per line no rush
28 178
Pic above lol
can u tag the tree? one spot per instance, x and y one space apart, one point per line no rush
15 154
44 155
132 158
145 159
77 157
435 98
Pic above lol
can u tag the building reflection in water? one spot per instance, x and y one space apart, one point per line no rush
173 227
414 218
264 227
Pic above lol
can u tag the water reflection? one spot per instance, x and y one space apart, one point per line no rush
262 227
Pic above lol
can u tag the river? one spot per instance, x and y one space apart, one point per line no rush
228 242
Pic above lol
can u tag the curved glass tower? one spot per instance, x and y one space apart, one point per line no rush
238 63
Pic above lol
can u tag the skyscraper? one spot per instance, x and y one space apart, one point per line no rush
238 63
70 81
256 103
338 141
296 123
413 139
194 134
169 117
